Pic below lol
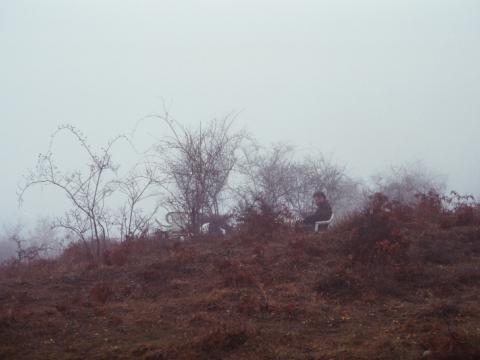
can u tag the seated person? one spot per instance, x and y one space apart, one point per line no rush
323 212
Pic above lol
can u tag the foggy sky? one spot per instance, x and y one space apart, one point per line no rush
372 83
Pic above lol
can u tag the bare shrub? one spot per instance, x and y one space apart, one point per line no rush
267 175
87 191
402 183
25 251
319 173
198 163
284 180
139 185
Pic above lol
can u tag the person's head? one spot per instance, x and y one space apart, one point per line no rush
319 197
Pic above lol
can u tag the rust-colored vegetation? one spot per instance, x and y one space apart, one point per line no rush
391 281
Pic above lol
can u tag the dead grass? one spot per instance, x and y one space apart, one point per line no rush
295 296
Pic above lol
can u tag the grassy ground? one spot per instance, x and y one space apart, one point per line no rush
291 297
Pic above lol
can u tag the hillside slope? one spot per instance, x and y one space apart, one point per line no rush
292 297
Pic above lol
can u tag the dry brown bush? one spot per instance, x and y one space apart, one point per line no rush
260 222
101 292
376 235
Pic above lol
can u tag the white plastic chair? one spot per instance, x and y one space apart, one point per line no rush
177 222
205 229
324 222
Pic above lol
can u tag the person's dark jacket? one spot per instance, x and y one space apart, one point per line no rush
323 213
